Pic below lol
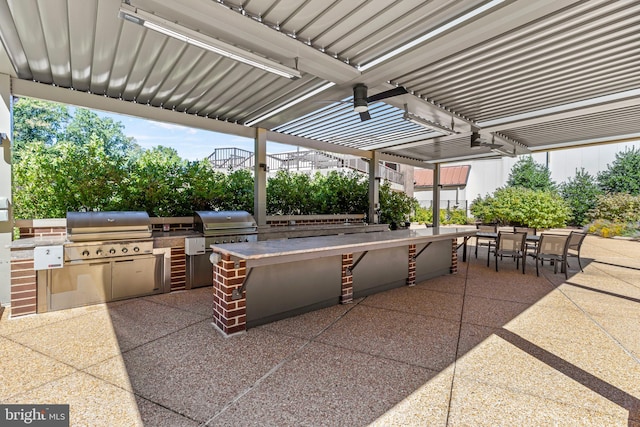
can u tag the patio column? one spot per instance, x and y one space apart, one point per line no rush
260 177
436 195
374 189
6 214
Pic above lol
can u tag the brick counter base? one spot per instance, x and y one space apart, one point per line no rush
454 257
229 316
23 288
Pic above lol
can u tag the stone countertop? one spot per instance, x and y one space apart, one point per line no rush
296 231
32 242
172 239
267 252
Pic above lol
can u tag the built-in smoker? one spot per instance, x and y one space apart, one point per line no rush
214 227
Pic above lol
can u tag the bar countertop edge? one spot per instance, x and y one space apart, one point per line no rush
270 252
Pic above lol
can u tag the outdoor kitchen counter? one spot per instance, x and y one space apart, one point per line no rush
270 252
22 249
260 282
172 239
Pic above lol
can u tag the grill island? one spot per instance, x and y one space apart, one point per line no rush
108 256
215 227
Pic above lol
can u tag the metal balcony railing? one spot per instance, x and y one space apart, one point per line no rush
230 159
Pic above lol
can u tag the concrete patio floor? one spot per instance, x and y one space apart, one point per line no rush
472 349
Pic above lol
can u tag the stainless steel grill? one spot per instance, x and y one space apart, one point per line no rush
108 256
99 235
87 226
226 226
215 227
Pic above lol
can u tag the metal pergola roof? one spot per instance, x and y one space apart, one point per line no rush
529 75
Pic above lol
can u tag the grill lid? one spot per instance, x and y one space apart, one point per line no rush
85 226
216 223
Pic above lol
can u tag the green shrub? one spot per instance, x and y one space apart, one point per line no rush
395 206
617 207
454 216
623 175
522 207
606 228
447 217
581 194
422 215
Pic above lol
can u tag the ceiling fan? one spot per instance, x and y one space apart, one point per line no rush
361 100
477 142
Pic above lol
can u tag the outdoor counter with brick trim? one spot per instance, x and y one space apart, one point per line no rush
260 282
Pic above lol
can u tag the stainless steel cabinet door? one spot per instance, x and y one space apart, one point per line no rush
80 284
134 277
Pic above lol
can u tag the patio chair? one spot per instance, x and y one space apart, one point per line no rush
485 241
510 245
553 248
575 243
530 246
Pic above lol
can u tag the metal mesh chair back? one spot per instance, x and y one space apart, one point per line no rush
552 244
487 228
575 240
527 230
511 242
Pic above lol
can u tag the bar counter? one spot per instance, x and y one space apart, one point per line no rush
264 281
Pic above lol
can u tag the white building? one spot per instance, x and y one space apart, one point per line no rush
485 176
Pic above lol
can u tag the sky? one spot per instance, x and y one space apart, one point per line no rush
190 143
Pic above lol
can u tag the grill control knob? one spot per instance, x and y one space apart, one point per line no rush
99 252
85 253
136 249
125 250
112 251
232 241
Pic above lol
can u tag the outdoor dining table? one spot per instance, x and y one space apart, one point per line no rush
531 238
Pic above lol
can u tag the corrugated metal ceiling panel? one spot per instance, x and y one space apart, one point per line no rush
518 57
603 124
561 59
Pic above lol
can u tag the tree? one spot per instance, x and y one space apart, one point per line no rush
623 175
156 183
581 194
85 125
35 120
50 180
529 174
